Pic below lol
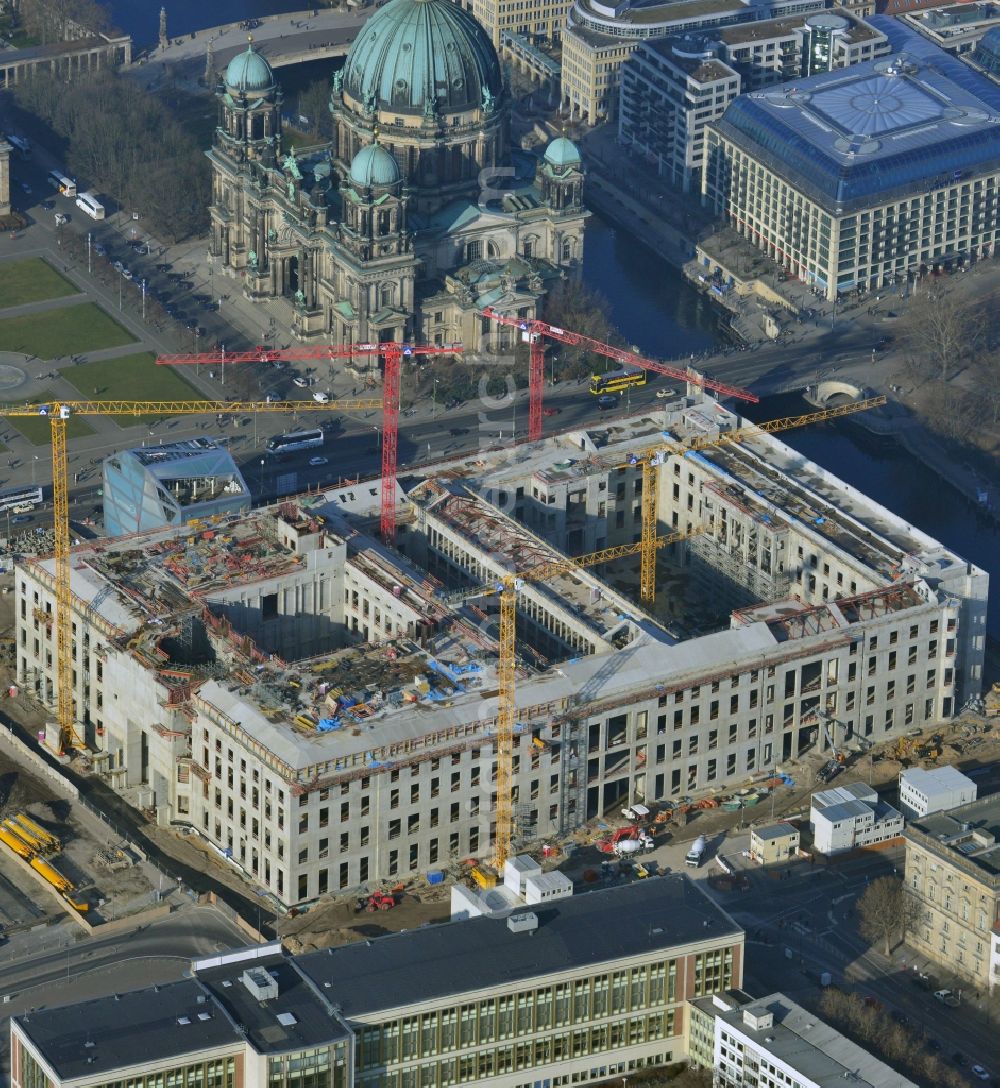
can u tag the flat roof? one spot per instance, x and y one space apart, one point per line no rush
814 1049
774 831
316 992
969 834
584 930
297 1018
143 1027
936 780
865 134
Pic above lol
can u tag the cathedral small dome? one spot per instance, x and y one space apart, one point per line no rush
249 71
416 54
373 165
562 152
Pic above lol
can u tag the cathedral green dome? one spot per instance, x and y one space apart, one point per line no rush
562 152
373 165
249 72
413 54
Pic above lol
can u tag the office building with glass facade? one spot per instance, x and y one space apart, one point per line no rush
157 486
574 992
855 179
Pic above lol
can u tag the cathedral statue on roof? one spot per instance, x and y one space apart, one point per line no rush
419 213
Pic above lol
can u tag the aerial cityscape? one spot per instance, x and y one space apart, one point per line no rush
498 501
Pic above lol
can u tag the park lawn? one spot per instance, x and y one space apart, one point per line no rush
32 280
37 429
65 331
130 377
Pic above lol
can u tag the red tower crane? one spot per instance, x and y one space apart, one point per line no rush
534 330
392 355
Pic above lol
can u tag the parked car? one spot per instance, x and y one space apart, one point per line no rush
101 251
299 382
321 398
946 997
980 1073
126 273
118 266
163 268
607 400
61 219
662 394
315 462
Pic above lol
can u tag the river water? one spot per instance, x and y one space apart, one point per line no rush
659 312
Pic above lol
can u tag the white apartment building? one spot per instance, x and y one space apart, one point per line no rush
672 88
600 36
322 711
771 1042
922 792
849 817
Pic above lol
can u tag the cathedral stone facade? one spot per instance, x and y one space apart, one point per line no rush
418 214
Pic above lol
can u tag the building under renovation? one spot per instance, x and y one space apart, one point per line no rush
322 709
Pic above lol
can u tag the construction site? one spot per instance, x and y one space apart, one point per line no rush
324 709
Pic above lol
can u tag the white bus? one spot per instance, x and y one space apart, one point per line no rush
281 444
62 184
89 203
20 145
20 500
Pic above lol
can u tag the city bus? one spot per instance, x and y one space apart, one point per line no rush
89 203
62 184
617 380
295 441
20 500
20 145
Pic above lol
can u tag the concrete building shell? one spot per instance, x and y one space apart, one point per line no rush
207 661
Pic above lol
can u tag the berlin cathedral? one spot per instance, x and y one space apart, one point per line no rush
418 214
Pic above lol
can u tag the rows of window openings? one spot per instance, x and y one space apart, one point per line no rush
532 1056
510 1016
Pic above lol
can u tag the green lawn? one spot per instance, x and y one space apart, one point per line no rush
131 377
31 281
37 429
65 331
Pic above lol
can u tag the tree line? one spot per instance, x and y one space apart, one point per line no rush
125 143
56 20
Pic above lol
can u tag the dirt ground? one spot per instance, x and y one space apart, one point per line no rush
339 921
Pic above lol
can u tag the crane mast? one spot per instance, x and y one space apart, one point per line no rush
58 415
392 354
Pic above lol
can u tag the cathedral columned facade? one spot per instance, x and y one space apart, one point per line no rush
419 212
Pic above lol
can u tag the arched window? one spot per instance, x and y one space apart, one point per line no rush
568 247
492 249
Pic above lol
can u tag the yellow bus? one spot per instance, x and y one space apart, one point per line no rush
617 380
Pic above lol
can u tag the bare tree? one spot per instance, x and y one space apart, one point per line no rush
941 331
886 912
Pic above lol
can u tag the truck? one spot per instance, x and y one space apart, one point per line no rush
627 847
696 853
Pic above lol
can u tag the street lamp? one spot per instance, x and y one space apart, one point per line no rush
143 286
121 280
434 385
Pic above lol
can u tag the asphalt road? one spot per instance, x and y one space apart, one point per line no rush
806 925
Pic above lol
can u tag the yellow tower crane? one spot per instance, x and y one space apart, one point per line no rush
59 413
507 589
649 544
652 458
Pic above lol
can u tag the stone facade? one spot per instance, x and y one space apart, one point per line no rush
458 220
